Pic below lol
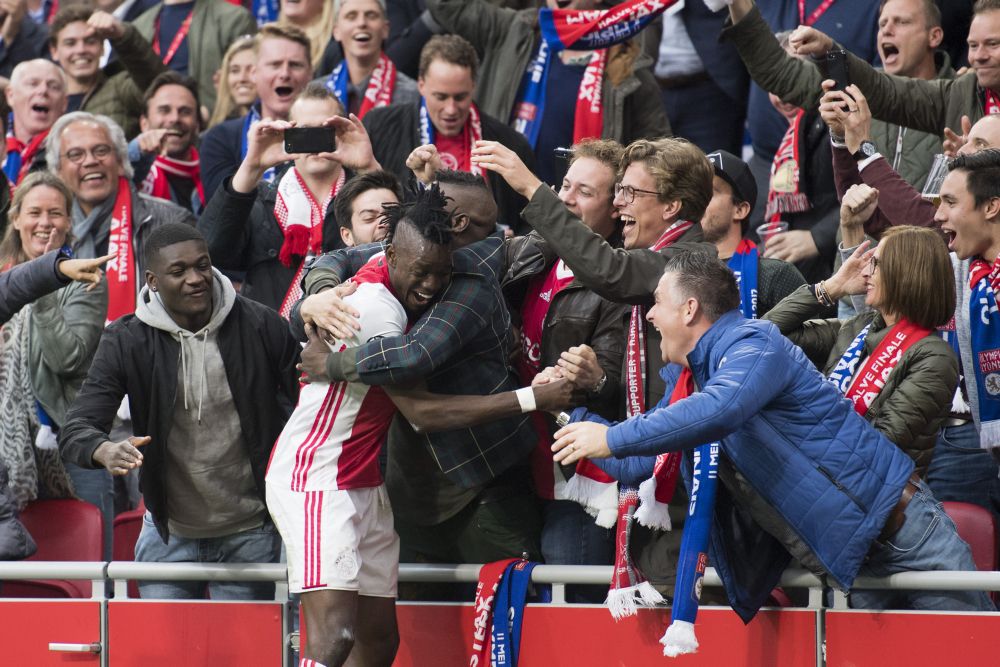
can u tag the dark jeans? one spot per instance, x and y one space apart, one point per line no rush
927 541
570 537
503 527
703 114
962 471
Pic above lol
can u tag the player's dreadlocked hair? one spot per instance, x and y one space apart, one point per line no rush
426 213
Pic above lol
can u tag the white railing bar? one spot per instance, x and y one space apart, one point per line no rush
196 571
51 570
934 581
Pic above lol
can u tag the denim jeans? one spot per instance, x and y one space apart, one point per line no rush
570 537
961 470
926 541
257 545
97 488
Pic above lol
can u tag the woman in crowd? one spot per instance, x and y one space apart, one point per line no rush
45 352
908 283
235 87
315 19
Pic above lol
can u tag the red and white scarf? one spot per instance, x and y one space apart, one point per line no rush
120 270
628 585
21 154
870 379
482 620
460 158
381 85
992 102
156 184
785 193
301 218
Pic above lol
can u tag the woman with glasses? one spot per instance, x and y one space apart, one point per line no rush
888 361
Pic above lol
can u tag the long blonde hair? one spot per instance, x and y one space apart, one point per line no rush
224 103
320 32
11 248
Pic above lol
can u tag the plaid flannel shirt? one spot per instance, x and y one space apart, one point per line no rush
461 345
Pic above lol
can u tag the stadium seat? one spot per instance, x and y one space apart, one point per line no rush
126 532
65 530
976 526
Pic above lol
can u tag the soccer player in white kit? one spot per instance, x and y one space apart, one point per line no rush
324 487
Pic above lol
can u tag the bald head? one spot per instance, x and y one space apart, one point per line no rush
984 134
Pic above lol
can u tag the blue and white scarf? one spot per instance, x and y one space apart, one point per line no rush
984 324
251 118
744 265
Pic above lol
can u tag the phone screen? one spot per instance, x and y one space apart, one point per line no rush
309 140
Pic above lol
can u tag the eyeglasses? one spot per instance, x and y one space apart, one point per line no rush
628 193
77 155
872 264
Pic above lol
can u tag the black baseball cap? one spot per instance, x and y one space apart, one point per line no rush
735 172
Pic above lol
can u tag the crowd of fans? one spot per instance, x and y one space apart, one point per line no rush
510 248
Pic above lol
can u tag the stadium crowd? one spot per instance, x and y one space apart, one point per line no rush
470 280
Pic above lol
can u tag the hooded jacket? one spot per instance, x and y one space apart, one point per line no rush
145 362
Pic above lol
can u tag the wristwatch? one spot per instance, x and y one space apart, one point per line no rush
562 419
600 384
866 150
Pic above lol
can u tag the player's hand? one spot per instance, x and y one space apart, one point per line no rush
122 456
581 440
328 311
313 359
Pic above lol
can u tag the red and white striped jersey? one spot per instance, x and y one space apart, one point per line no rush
333 437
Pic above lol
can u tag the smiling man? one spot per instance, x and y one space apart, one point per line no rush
88 153
76 43
37 97
447 120
366 78
210 379
281 72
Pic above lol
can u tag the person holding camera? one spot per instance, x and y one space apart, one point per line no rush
268 229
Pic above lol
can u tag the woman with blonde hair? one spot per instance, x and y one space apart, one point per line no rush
888 362
315 19
235 89
45 353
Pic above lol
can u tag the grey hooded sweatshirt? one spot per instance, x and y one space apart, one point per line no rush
210 485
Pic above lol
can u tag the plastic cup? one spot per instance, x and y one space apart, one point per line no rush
768 231
932 187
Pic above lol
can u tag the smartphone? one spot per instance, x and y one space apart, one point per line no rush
310 140
564 153
835 67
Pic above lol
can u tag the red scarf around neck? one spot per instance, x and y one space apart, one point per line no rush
120 269
156 183
26 151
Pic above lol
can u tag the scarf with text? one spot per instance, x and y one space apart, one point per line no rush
20 155
744 265
628 585
693 559
120 269
490 575
470 134
157 184
984 322
861 386
301 218
785 194
253 117
510 598
381 85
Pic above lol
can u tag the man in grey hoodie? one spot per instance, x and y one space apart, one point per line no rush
211 379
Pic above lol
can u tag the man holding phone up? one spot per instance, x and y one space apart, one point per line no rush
268 229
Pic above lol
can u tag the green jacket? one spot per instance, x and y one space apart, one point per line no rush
119 95
214 26
618 275
797 81
506 41
66 327
917 394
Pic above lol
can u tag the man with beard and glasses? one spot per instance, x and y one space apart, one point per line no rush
281 72
76 44
164 157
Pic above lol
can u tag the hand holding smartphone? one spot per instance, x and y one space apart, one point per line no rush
310 140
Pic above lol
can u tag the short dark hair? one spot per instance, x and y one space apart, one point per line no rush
172 78
932 13
79 13
462 178
426 213
700 275
451 49
982 173
982 6
168 234
343 204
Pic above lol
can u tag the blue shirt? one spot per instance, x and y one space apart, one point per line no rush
171 19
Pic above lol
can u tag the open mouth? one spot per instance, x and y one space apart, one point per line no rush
92 178
563 4
42 236
890 52
40 108
284 91
421 298
628 222
363 37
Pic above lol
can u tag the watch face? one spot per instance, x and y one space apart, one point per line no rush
868 148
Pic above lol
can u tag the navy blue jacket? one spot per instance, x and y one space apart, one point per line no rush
798 442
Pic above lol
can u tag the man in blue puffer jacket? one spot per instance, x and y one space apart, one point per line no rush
803 474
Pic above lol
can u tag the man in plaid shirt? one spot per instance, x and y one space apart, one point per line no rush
462 495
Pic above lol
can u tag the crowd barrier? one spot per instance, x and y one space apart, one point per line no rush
122 632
